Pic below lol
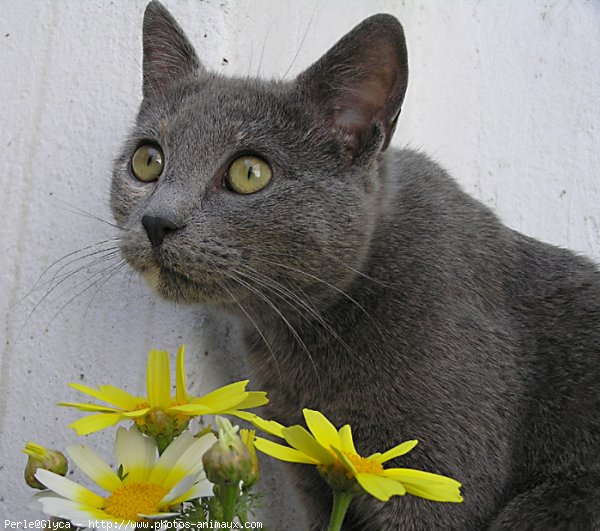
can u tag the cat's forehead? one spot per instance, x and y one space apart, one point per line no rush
233 101
223 115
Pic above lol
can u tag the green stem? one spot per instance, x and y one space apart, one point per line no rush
341 501
228 495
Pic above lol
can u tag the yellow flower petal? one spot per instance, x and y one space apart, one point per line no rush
94 467
324 431
158 379
303 441
426 485
93 393
68 489
397 451
231 395
345 461
136 413
347 443
180 390
269 426
119 397
245 415
380 487
191 409
254 399
283 453
90 407
92 423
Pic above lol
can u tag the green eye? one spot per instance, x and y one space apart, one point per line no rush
248 174
147 162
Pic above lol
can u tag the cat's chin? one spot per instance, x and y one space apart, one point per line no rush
178 288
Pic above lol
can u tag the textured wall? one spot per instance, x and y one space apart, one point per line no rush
504 94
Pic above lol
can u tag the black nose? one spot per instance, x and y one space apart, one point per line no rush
157 228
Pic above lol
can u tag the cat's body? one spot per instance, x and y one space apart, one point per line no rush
371 287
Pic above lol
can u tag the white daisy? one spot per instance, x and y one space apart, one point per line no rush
150 487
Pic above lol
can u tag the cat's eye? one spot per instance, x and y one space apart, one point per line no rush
147 162
248 174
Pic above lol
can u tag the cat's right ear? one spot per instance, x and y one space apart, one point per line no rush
168 54
357 88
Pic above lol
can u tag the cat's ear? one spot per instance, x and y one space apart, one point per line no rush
358 86
168 54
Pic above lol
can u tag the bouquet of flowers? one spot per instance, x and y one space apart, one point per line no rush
167 476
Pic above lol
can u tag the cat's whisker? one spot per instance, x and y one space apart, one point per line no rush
110 271
80 211
290 327
36 286
258 330
296 301
312 16
361 274
328 284
107 278
58 277
58 282
262 52
70 274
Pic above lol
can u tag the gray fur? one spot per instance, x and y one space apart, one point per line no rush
375 290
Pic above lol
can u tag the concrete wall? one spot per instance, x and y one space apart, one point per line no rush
504 94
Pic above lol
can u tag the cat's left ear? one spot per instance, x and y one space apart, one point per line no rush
358 86
168 54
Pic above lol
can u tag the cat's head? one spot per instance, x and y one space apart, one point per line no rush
232 188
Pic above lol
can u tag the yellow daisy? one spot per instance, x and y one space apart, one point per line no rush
159 413
146 487
334 454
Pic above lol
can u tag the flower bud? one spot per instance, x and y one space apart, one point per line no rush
43 458
228 461
247 437
162 426
338 478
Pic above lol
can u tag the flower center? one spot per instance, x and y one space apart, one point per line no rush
134 499
140 421
364 464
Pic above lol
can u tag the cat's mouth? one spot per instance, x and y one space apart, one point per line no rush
178 287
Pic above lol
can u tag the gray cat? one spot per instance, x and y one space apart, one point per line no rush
371 286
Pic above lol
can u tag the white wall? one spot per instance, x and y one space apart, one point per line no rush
504 94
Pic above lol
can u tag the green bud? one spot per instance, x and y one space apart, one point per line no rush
339 479
45 459
162 427
228 461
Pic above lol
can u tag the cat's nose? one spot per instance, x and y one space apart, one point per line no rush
157 228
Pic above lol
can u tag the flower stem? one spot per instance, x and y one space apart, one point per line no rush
228 495
341 501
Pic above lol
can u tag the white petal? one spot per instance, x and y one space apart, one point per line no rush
181 488
136 452
158 516
202 489
78 513
69 489
170 456
190 462
93 466
35 503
